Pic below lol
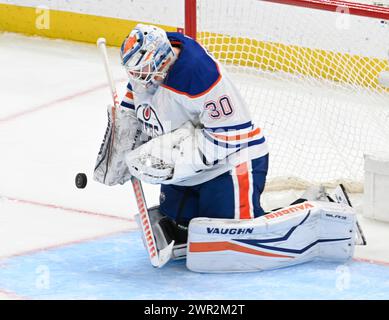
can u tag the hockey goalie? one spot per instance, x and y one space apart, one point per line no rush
183 124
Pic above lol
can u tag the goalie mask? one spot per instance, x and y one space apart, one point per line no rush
147 54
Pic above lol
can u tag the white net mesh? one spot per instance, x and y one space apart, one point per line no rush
310 78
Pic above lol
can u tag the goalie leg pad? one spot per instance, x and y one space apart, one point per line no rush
293 235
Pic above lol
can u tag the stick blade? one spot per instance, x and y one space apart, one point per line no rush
165 254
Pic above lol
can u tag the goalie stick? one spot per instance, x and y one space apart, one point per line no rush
158 258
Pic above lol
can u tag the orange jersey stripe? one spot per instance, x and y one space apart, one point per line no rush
224 245
243 181
239 136
130 95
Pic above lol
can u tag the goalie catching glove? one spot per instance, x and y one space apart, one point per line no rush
121 136
168 159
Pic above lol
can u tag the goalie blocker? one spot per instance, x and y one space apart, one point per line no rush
292 235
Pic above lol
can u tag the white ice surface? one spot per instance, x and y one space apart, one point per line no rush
42 150
61 87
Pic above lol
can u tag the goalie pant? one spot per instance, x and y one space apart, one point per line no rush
232 195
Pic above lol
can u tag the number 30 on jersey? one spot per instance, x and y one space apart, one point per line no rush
223 107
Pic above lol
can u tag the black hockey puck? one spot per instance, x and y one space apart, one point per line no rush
81 180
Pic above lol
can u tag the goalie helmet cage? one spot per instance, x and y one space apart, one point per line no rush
309 71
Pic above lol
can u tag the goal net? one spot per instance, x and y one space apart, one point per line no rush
309 71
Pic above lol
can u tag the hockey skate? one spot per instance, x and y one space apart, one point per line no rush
165 233
162 235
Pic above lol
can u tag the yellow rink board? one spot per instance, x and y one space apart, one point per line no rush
65 25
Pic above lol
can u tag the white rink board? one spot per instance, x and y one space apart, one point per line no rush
327 30
167 12
274 16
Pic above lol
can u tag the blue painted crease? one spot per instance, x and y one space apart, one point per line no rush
117 267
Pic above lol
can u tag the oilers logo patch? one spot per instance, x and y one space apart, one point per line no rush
148 118
147 113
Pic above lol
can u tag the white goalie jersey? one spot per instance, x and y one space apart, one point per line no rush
197 89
